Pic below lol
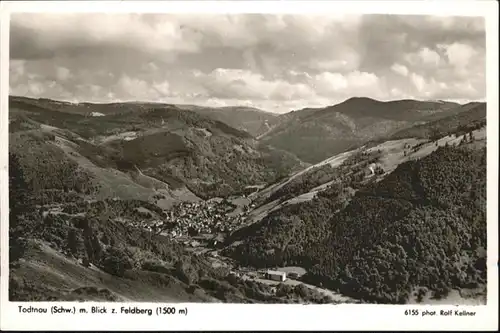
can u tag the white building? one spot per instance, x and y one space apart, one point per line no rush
372 168
276 276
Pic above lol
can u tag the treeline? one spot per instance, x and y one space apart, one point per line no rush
424 225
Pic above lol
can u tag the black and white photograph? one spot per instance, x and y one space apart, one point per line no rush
251 158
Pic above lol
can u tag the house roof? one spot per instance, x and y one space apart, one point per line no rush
275 272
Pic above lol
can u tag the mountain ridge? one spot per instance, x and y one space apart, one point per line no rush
250 119
323 132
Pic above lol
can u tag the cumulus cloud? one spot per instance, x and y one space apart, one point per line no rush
63 74
329 83
244 84
459 54
424 57
50 34
276 62
400 69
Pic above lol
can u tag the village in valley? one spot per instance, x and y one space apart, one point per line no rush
202 223
203 226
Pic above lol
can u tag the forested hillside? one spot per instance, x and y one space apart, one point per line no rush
251 120
177 147
247 119
316 134
468 118
423 226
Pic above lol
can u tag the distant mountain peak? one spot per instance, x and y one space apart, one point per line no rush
360 99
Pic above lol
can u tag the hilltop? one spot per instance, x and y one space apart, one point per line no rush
315 134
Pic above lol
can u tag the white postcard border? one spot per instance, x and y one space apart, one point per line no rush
263 317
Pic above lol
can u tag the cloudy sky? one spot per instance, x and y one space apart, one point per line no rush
277 63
